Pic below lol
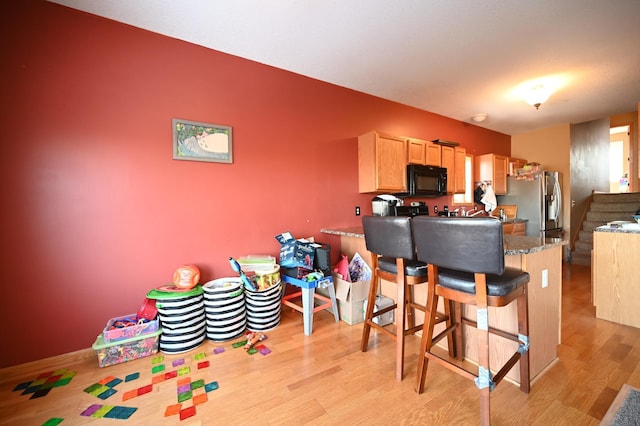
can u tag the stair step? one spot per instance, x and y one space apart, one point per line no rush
625 197
583 246
580 259
608 216
589 225
585 236
630 208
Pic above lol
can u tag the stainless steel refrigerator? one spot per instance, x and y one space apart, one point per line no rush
538 200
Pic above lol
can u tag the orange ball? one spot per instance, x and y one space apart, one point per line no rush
186 276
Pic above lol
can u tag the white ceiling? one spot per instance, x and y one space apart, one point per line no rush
452 57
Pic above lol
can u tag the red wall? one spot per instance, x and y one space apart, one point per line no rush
94 210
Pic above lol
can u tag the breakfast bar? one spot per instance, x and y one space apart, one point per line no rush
615 271
542 259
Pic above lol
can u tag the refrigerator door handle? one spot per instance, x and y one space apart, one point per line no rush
558 199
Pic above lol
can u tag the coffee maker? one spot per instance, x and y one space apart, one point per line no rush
383 205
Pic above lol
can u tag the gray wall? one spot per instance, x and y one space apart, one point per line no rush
589 160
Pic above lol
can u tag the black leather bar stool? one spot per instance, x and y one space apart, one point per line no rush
389 239
465 258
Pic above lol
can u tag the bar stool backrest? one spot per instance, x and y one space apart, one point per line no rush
389 236
465 244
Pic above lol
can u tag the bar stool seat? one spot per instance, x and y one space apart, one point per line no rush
465 258
389 240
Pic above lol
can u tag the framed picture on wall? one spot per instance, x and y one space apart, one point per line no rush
197 141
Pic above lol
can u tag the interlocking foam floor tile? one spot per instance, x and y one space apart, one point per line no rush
265 351
130 394
132 376
200 399
100 412
106 380
145 389
197 384
172 410
40 393
187 412
114 382
90 410
120 412
211 386
106 394
184 396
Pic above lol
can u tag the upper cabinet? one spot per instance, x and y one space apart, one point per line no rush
423 152
493 168
453 160
514 165
382 163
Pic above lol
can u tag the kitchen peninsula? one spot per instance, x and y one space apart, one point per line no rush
542 259
615 271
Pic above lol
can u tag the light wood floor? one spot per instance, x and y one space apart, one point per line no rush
325 379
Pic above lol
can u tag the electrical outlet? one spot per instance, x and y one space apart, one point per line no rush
545 278
357 210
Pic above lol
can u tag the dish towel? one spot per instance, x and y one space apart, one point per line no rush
489 199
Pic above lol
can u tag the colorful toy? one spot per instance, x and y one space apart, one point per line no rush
252 339
186 276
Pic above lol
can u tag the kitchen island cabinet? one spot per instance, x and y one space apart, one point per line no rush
542 259
615 271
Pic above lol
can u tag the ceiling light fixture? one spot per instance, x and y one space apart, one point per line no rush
480 117
537 95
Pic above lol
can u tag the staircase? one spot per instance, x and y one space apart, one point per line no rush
604 208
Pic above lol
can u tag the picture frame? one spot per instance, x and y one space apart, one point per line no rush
198 141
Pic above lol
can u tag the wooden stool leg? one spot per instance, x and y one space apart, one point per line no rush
400 318
371 301
427 329
523 330
483 382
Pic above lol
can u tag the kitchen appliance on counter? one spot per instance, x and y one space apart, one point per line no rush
539 199
411 210
384 205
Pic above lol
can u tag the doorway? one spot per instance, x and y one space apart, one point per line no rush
619 159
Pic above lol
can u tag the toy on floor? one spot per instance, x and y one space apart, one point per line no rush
252 339
45 382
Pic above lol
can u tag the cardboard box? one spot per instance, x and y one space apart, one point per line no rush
294 252
351 298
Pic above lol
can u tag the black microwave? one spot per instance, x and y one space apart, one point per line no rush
426 181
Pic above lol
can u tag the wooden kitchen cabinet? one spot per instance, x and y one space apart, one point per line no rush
514 165
382 163
423 152
514 228
492 168
452 159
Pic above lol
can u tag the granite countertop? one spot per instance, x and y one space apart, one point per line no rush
621 227
513 244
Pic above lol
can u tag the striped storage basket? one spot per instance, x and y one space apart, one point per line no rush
225 309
